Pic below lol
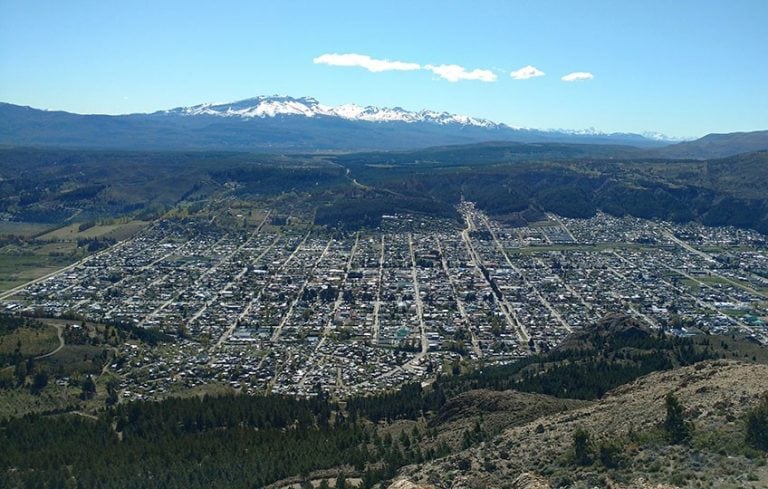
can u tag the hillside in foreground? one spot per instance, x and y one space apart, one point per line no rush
629 444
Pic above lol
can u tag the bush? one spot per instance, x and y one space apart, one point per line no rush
39 382
611 454
463 464
582 447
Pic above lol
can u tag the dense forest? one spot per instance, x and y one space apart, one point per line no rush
230 441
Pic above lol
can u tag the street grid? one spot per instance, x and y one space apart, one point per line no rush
301 311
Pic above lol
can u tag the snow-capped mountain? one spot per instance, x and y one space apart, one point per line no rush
657 136
280 123
262 107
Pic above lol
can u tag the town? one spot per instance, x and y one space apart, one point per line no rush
301 310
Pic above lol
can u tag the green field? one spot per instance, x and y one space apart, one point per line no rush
713 280
22 229
18 269
116 231
23 261
33 341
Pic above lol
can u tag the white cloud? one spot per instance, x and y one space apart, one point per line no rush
577 76
526 72
454 73
364 61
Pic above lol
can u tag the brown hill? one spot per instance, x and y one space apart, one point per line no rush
716 395
498 410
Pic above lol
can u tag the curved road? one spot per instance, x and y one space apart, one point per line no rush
59 329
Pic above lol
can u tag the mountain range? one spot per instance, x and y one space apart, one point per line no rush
275 106
278 123
288 124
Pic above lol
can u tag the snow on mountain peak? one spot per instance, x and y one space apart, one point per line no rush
276 105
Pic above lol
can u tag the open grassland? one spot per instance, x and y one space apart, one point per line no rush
18 402
17 269
23 229
32 341
50 251
213 389
72 232
76 359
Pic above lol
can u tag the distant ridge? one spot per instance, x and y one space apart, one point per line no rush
718 145
278 123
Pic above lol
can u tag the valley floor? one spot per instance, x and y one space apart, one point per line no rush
293 309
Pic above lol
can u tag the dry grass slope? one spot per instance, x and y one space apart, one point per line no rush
716 395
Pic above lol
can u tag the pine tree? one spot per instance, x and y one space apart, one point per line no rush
89 388
341 482
678 429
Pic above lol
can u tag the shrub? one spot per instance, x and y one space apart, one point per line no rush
757 425
611 454
582 447
463 464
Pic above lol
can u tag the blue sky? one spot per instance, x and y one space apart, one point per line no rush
684 68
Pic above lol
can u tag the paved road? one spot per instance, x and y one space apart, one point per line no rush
209 271
377 304
15 290
340 295
688 247
711 259
541 298
556 218
419 306
279 269
245 310
459 302
507 311
286 317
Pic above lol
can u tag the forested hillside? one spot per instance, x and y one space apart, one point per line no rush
514 181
